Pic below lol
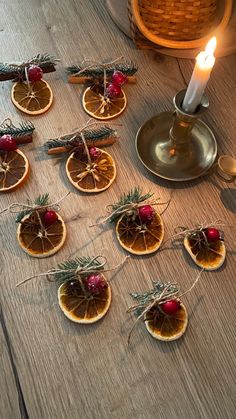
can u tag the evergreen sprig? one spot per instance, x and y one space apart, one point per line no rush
128 68
11 71
146 298
74 140
25 128
70 266
134 196
40 201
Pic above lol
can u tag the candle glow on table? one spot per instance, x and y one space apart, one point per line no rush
205 61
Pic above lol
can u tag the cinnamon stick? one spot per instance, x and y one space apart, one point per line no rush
24 139
91 143
82 80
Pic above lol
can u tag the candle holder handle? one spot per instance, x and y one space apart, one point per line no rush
177 146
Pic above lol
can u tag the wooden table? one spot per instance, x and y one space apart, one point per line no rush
52 368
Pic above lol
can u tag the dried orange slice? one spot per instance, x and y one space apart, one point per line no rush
101 107
140 239
38 240
82 308
14 168
33 99
166 327
91 177
208 256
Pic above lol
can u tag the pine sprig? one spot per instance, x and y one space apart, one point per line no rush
146 298
40 201
25 128
128 68
12 71
74 140
134 196
70 267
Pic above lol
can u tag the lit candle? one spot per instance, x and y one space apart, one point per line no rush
201 74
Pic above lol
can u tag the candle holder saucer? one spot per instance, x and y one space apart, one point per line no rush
177 146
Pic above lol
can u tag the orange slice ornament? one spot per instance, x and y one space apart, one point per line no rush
104 99
14 165
88 167
84 293
30 93
139 228
164 314
206 247
41 230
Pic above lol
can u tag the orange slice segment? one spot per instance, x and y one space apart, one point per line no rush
100 107
137 239
34 99
14 168
79 307
209 256
37 240
94 177
166 327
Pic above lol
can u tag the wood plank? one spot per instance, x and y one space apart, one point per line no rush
9 397
66 370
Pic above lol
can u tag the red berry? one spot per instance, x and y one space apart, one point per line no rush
35 73
7 143
170 307
50 217
119 78
113 90
146 213
95 284
212 234
94 152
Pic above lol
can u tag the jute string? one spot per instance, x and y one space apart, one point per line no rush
89 268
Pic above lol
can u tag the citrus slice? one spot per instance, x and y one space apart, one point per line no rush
82 308
140 239
208 256
38 240
91 177
14 168
33 99
166 327
101 107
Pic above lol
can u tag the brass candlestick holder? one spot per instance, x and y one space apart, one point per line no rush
177 146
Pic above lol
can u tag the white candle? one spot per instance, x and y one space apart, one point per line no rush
201 74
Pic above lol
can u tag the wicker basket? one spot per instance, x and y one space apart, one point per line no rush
180 24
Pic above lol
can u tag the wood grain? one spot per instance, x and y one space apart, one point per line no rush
70 371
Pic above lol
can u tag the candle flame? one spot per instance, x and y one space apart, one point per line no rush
211 46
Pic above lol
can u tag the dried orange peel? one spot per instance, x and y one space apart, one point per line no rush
14 168
33 98
40 241
166 327
80 307
97 105
94 176
138 238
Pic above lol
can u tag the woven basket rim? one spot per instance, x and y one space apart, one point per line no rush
169 43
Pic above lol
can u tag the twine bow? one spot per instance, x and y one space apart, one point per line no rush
104 66
17 207
94 265
165 295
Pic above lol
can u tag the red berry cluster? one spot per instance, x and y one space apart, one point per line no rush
94 152
95 284
212 234
146 213
113 89
49 218
35 73
7 143
170 307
